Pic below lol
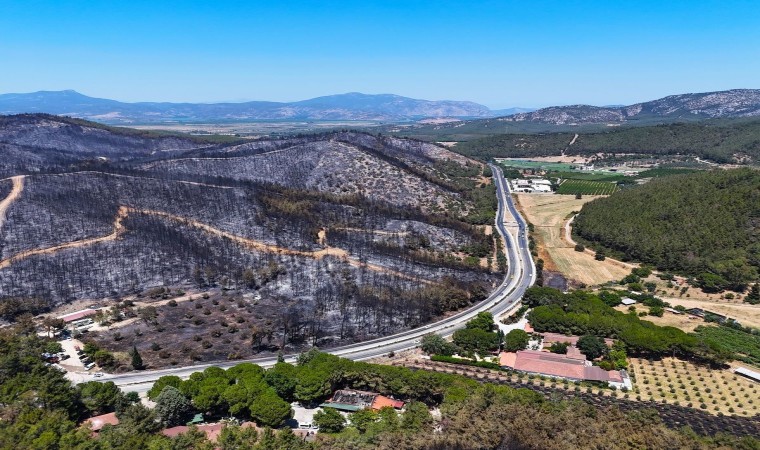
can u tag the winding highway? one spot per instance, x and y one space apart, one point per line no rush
521 274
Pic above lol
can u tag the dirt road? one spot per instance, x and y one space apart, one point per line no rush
569 239
18 186
124 211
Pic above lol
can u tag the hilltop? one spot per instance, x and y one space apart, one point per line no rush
708 105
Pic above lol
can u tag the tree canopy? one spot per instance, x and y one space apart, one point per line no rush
702 224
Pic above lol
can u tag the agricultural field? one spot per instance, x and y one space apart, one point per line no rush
590 176
745 345
548 213
586 187
540 165
680 382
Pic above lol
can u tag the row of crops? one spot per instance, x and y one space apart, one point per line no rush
574 187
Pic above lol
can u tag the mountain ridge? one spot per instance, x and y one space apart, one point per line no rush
348 106
706 105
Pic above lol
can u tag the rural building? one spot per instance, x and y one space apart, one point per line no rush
751 374
351 401
572 366
211 431
79 315
531 185
627 301
98 422
699 312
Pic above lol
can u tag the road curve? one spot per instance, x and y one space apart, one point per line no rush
521 274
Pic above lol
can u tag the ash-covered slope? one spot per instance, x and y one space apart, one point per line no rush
31 143
76 136
321 227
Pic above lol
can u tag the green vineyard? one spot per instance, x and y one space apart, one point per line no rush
587 187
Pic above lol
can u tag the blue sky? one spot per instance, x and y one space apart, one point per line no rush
499 53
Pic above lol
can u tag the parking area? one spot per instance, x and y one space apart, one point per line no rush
304 416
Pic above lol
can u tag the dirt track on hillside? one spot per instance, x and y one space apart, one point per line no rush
252 244
18 187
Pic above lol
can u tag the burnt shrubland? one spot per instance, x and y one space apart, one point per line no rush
341 236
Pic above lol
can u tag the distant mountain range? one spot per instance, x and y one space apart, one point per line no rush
383 107
709 105
351 106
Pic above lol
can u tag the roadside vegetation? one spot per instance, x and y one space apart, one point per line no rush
42 410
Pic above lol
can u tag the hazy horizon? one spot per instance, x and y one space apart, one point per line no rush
499 54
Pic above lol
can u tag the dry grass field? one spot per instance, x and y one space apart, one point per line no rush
685 322
735 308
548 214
681 382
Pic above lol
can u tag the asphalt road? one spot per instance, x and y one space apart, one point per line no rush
521 274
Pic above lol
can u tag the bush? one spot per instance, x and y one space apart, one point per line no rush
592 346
516 340
559 347
432 344
465 362
580 248
329 421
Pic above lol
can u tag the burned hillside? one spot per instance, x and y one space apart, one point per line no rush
363 234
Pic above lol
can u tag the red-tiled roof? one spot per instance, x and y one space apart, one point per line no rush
549 364
564 366
507 359
78 315
98 422
575 353
212 431
175 431
596 373
382 401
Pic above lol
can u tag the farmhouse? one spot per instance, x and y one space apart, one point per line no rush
572 366
212 431
351 401
79 315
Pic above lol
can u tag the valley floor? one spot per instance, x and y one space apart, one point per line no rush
549 214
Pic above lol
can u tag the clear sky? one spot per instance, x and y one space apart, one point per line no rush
499 53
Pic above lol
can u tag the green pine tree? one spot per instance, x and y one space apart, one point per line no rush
137 362
753 297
